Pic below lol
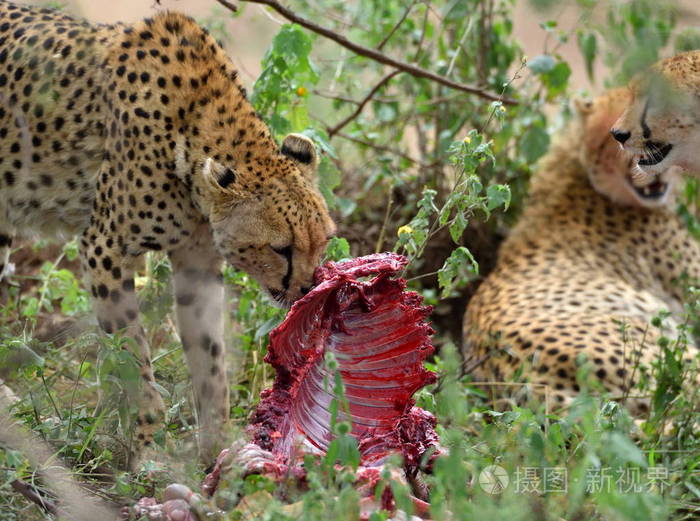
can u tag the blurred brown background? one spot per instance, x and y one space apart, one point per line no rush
252 32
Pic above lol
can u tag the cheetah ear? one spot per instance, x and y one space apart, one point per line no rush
218 176
302 151
584 106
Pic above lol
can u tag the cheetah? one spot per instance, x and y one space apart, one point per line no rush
591 261
661 127
140 138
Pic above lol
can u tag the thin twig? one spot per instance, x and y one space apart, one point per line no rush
387 214
378 56
460 45
469 365
75 389
419 48
269 15
396 27
515 76
327 95
441 99
422 276
228 5
361 105
382 148
34 495
331 15
48 392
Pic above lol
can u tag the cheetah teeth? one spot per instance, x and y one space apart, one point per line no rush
656 152
655 190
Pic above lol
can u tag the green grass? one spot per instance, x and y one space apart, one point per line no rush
593 462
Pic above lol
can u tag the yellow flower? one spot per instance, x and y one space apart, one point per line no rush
301 92
467 140
140 282
405 229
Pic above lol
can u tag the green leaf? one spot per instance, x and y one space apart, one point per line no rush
328 180
280 126
557 79
71 249
266 327
333 452
534 143
687 40
588 46
460 268
320 139
541 64
498 195
386 112
427 202
14 458
338 248
623 451
472 151
31 307
299 118
346 206
457 227
549 25
292 41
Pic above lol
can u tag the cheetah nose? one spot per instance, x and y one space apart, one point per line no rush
620 135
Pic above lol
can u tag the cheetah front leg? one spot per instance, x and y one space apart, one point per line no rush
199 297
110 278
5 247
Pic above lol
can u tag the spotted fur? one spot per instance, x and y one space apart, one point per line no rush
586 268
140 138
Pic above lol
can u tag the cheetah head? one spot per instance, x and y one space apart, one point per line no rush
610 171
276 226
661 126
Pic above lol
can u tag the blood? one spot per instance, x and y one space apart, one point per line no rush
360 311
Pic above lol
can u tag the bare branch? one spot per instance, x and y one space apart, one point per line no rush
378 56
396 27
32 494
361 105
228 5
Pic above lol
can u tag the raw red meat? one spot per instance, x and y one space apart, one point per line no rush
378 333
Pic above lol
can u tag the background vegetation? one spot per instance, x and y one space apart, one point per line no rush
409 164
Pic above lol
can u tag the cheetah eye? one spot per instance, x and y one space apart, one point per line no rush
284 251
